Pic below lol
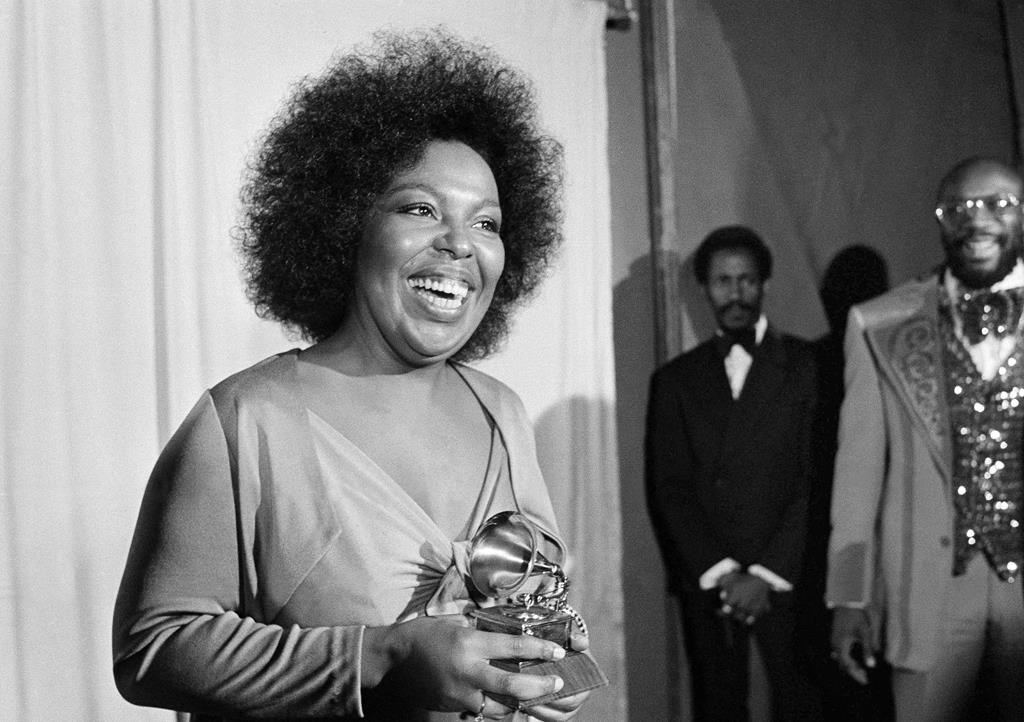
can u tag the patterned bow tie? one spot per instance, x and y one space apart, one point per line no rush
989 314
745 337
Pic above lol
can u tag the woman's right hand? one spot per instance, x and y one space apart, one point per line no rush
442 663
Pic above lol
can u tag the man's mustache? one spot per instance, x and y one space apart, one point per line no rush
737 305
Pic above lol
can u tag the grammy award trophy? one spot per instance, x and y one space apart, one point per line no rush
503 557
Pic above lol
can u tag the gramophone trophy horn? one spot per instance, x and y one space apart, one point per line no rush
503 557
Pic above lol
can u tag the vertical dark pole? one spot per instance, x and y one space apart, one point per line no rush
657 42
658 48
1012 12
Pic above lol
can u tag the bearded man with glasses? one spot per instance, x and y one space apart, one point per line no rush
927 545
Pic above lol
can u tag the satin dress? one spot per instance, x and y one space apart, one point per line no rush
267 541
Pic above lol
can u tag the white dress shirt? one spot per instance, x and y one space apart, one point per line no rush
737 363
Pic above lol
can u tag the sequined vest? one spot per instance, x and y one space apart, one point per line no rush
987 420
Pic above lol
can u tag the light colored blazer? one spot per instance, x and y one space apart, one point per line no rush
892 505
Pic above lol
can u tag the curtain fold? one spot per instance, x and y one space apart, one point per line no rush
125 126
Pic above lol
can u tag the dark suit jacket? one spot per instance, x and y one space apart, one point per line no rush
730 478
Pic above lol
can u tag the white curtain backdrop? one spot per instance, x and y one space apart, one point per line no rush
124 127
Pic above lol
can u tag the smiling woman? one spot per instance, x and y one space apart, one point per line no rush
301 549
431 257
341 141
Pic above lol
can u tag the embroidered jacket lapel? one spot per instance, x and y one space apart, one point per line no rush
909 352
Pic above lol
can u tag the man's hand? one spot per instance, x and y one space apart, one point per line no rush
744 596
851 642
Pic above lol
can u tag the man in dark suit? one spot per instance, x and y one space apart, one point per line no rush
728 476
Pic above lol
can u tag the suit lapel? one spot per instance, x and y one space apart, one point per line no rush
709 394
909 352
715 382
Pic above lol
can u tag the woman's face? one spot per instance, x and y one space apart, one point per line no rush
431 256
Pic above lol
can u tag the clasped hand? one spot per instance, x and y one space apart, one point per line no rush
744 596
442 663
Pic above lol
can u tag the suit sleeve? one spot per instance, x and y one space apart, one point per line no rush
859 474
181 640
689 544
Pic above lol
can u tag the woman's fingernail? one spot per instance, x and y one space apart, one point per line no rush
557 653
559 683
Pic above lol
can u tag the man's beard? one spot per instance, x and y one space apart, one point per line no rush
975 278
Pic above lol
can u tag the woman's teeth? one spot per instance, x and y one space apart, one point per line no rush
444 293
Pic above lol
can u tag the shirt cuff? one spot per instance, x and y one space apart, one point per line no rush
846 605
709 579
359 672
777 583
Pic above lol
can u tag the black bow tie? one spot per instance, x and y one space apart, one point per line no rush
745 337
987 314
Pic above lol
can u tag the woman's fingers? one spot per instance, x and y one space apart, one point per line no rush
521 686
560 709
519 646
579 642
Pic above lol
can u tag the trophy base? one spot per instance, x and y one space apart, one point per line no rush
536 621
578 671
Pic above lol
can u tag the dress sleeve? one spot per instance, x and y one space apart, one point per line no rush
180 638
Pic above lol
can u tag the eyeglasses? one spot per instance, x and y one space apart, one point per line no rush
955 212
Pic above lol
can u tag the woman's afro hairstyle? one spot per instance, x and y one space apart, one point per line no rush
344 135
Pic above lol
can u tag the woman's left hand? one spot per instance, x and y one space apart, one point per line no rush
559 709
566 707
579 642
